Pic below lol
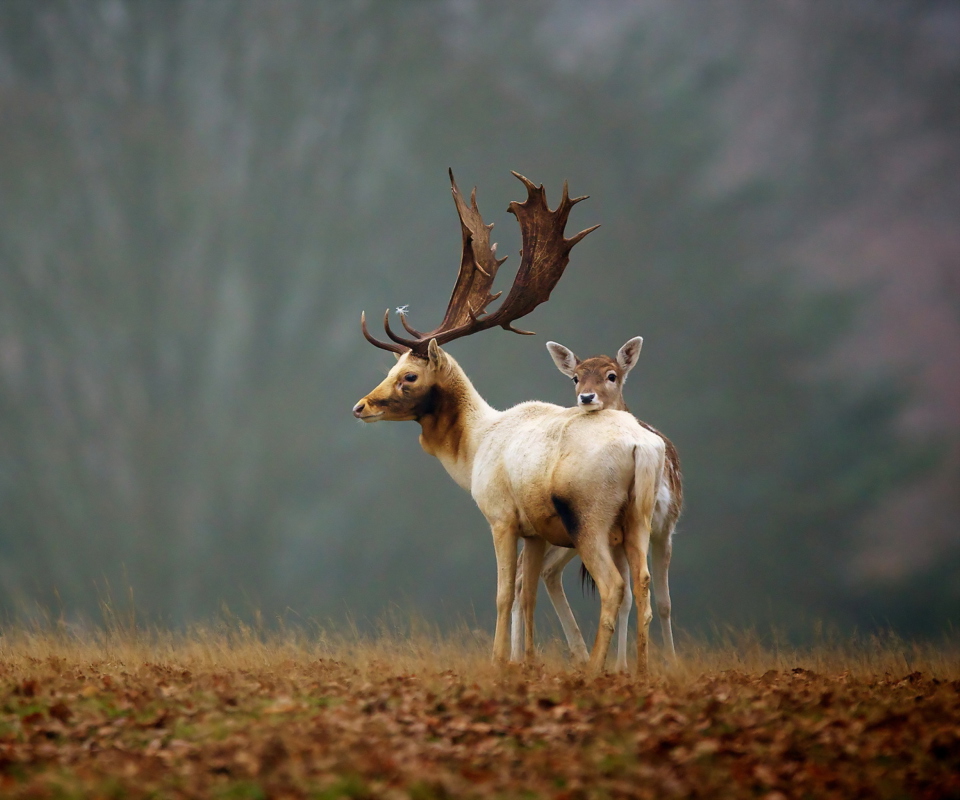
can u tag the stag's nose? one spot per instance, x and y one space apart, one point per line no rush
587 399
358 409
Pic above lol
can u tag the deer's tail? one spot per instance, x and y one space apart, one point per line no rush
648 466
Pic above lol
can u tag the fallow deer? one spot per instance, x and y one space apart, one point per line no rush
537 471
599 384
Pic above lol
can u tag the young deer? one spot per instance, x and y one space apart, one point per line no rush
547 474
599 384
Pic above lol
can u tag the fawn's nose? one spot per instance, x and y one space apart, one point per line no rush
587 399
358 409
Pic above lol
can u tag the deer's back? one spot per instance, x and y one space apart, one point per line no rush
540 464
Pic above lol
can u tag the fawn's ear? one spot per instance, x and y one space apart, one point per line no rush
628 355
565 360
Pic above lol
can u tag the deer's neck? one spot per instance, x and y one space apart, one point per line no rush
453 421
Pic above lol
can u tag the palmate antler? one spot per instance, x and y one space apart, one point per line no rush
543 258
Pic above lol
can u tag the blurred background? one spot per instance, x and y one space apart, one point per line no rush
198 198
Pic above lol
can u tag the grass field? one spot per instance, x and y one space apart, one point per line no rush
232 713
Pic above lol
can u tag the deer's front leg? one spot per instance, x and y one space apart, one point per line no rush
505 536
533 550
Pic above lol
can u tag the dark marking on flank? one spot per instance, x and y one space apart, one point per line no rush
567 516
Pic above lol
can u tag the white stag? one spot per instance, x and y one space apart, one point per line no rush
599 384
540 472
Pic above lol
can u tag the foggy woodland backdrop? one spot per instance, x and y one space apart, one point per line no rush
198 198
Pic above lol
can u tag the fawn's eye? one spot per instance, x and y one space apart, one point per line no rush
576 379
612 377
410 377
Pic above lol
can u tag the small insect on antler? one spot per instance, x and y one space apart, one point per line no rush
543 258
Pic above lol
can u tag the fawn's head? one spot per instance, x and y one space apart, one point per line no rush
598 380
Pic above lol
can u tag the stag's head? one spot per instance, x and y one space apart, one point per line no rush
598 380
409 392
411 387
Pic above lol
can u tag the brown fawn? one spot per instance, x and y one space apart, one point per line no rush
598 382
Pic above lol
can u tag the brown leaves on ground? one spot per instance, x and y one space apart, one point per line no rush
314 727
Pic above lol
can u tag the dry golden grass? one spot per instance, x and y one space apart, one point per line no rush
410 645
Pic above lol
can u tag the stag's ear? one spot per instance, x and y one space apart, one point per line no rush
437 357
628 354
565 359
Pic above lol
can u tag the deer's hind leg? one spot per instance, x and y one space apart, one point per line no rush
661 548
597 556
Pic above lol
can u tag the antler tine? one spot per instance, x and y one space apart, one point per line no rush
409 328
570 203
576 238
531 186
408 343
509 327
393 348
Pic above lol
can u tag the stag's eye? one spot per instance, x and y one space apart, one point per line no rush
612 377
410 377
